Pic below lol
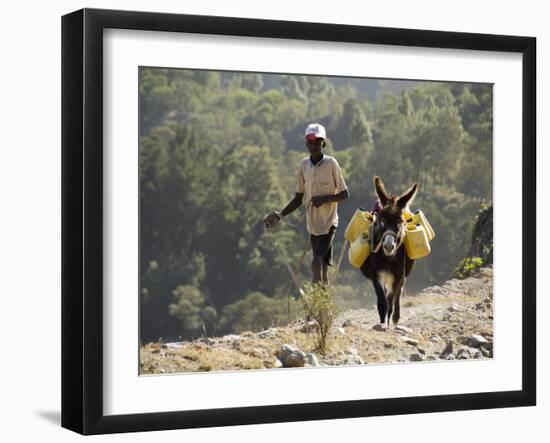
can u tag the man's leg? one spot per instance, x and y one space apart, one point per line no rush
325 273
321 246
316 268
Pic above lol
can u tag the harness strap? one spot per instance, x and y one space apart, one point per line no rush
401 238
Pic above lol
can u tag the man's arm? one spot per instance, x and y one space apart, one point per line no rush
294 204
274 217
338 197
322 199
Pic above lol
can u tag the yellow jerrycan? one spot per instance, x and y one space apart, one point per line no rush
359 249
359 223
416 241
419 218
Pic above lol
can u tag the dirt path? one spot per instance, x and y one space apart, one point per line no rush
453 321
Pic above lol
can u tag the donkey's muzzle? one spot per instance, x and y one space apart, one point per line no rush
389 244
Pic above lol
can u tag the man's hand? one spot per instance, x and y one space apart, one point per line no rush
319 200
272 219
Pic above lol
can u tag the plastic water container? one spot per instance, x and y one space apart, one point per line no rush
359 250
419 218
417 243
359 223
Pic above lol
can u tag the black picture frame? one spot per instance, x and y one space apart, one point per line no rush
82 219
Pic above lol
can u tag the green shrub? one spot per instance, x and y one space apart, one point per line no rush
318 305
467 267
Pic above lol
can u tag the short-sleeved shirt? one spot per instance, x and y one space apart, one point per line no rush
324 178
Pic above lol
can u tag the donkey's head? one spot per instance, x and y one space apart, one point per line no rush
389 227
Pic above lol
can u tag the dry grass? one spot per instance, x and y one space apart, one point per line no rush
252 352
427 314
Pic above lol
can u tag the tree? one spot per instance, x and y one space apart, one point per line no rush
190 309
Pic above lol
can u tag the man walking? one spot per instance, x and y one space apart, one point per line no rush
319 188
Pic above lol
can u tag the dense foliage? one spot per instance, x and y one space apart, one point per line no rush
218 150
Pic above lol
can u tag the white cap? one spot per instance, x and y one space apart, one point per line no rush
317 130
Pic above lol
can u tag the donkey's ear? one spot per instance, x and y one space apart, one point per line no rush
407 197
381 191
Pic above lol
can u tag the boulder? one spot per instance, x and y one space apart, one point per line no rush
291 356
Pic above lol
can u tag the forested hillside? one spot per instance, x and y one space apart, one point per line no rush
220 150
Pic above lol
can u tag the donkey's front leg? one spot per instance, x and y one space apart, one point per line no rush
397 290
381 302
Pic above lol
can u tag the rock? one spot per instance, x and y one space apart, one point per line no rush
408 340
450 357
268 333
487 346
403 329
436 290
431 357
231 337
475 341
448 350
353 351
380 327
416 357
312 360
352 359
340 331
278 363
421 351
486 353
465 352
175 345
453 308
435 338
291 356
349 322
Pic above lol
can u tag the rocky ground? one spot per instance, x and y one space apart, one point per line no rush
453 321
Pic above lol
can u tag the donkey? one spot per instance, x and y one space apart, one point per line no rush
388 265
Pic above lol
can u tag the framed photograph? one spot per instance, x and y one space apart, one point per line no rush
268 221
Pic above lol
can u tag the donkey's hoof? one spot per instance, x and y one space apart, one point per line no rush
380 327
